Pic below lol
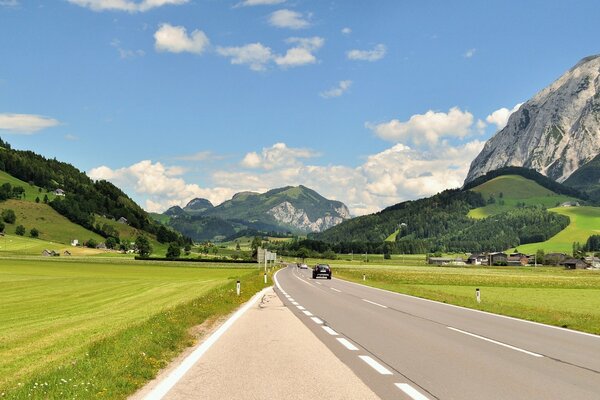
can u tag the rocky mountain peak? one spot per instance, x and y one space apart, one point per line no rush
555 132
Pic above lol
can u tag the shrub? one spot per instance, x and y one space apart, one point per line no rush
174 250
34 233
91 244
20 230
9 216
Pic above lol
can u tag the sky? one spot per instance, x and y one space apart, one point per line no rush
367 102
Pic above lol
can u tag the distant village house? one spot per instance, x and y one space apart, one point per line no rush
123 220
59 192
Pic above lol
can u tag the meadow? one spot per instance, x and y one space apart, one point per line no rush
100 329
585 221
31 191
549 295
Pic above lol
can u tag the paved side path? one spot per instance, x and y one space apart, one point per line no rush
267 354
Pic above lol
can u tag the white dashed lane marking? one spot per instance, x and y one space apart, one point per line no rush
346 343
330 331
411 391
376 304
375 365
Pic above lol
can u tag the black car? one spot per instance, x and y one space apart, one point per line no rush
321 270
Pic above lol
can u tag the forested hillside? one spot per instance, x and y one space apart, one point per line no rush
84 198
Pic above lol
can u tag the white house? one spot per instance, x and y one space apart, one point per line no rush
59 192
74 242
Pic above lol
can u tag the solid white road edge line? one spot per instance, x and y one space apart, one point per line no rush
346 343
329 330
375 365
335 290
411 391
317 320
171 380
496 342
318 283
377 304
472 310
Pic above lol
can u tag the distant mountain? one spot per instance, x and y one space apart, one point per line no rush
555 133
198 205
295 209
174 211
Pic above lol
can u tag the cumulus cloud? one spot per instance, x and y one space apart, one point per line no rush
125 5
278 155
159 186
25 124
337 91
301 53
174 39
500 116
346 31
288 19
377 53
426 129
255 55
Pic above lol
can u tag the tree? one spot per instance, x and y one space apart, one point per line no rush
46 199
2 226
539 256
110 242
237 245
9 216
187 249
20 230
143 246
256 243
91 244
37 199
34 233
174 250
578 250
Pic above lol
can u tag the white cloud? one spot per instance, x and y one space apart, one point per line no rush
426 129
158 185
346 31
9 3
302 53
125 5
175 39
337 91
500 116
278 155
249 3
71 137
470 53
25 123
255 55
288 19
377 53
126 53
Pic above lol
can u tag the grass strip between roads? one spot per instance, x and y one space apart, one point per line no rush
568 299
116 366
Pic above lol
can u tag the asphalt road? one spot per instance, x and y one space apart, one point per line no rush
403 347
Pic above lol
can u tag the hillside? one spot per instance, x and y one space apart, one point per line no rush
587 179
28 180
511 191
445 222
555 133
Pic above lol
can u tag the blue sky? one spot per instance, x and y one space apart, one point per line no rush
367 102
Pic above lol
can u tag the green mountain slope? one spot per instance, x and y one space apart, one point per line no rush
587 178
507 192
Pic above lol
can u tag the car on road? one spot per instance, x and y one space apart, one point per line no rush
321 270
302 266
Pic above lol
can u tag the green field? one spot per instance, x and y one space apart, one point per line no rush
514 189
52 226
585 221
549 295
31 191
100 322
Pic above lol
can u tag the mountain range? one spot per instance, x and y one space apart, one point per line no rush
293 209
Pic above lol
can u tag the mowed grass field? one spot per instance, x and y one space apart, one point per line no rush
110 325
13 245
553 296
51 225
514 189
585 221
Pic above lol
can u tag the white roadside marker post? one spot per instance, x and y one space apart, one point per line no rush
478 295
364 277
265 278
237 288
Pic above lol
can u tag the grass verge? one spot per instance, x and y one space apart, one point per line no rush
115 366
546 295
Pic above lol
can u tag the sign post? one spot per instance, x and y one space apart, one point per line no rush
478 295
237 288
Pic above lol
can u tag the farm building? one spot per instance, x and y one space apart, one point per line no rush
67 253
554 258
446 261
123 220
59 192
517 259
575 263
477 259
49 253
498 258
75 242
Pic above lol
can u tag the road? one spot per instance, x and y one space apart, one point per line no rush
410 348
